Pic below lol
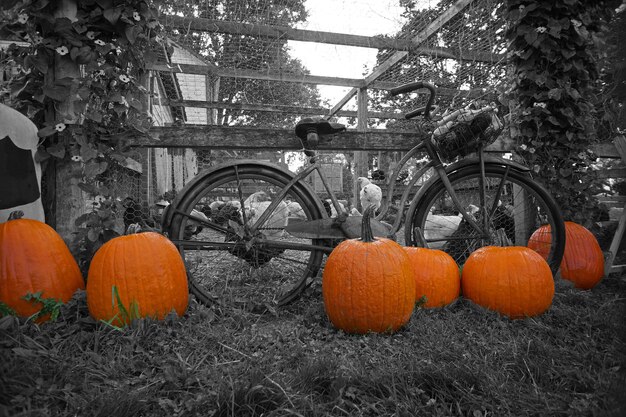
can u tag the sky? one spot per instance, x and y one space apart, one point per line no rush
356 17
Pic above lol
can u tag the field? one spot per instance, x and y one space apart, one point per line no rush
457 361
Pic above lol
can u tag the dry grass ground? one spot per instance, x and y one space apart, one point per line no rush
456 361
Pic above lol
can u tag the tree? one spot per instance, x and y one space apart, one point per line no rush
250 53
557 51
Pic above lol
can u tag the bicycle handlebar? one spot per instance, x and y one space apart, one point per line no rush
406 88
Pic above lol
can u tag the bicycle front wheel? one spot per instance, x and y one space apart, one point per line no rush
232 259
512 201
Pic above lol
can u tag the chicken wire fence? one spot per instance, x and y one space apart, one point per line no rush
232 90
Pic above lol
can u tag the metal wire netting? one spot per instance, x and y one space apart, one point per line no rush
225 78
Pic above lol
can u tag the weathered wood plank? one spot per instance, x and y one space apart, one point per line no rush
303 35
315 111
230 137
306 79
256 75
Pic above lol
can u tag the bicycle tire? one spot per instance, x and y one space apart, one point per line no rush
520 217
234 269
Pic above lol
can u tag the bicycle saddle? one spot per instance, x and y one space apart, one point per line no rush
319 126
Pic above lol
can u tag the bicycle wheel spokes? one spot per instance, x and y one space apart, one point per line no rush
508 202
234 262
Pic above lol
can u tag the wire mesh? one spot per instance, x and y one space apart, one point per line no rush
238 84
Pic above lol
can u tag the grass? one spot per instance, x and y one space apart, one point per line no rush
457 361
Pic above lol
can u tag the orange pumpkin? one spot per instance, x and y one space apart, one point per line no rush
368 284
515 281
147 271
34 258
583 260
436 275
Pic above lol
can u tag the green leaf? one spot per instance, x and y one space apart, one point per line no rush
132 32
58 93
57 150
112 14
41 155
555 93
88 152
93 234
93 168
46 131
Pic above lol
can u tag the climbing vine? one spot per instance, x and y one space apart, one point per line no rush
80 65
557 49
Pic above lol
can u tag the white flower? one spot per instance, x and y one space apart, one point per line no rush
22 18
59 127
541 29
62 50
99 42
531 150
523 147
576 23
124 78
536 168
77 158
99 199
540 104
521 7
123 101
158 38
136 16
90 35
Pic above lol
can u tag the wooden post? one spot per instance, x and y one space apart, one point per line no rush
360 157
620 144
70 200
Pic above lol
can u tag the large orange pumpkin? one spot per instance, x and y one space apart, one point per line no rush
515 281
146 270
34 258
583 260
436 275
368 284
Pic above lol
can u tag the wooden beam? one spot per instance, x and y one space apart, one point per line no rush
424 34
306 79
231 137
187 24
274 108
257 75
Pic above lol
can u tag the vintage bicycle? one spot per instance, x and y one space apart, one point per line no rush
254 234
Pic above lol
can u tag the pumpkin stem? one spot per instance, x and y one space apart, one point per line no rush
133 228
366 227
15 215
502 239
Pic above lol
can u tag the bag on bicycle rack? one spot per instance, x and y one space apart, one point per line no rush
466 136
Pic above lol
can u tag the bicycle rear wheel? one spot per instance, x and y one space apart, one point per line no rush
513 202
229 261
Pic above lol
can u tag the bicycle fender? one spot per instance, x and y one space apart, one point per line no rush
169 213
489 160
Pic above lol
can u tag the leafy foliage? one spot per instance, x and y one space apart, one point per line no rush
125 316
556 50
5 310
82 66
49 306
